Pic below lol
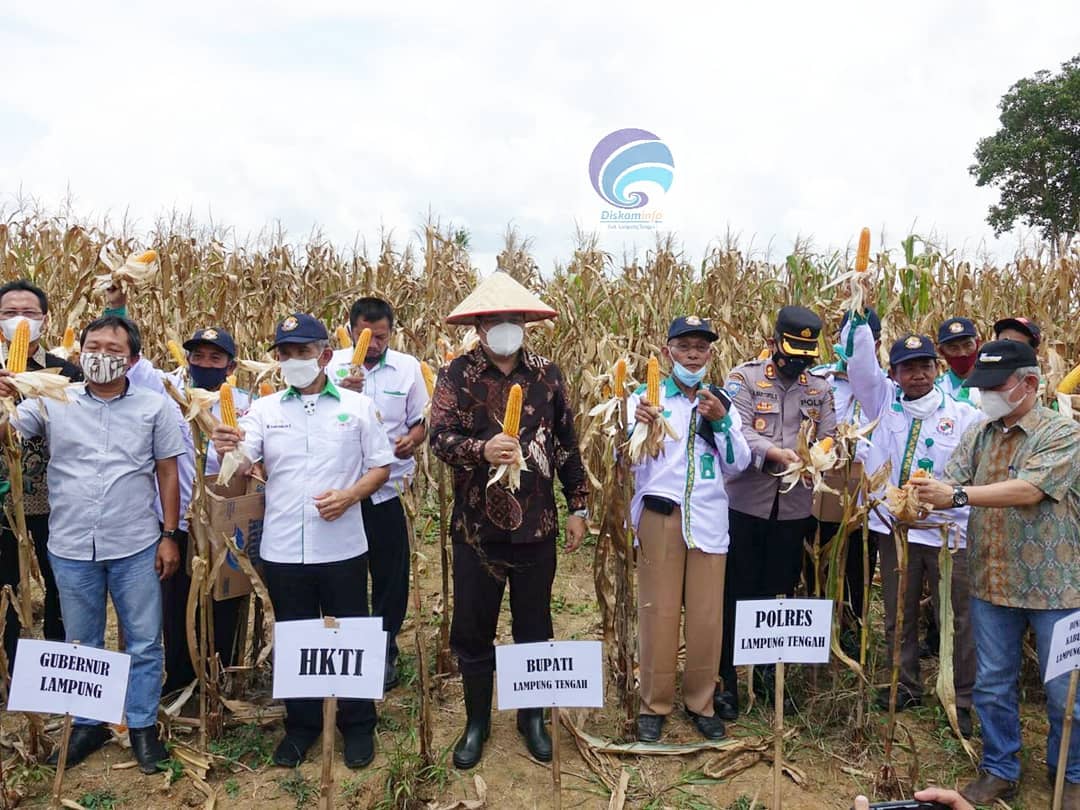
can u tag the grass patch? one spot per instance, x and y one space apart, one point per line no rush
303 790
246 745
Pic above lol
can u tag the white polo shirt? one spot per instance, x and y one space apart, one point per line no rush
692 474
396 385
309 446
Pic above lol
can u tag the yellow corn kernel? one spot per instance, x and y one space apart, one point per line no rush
919 473
265 389
652 382
69 339
360 352
231 380
20 348
228 407
429 377
176 352
343 339
618 384
147 257
862 255
826 444
1068 385
512 420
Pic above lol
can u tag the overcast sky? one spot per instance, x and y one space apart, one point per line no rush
783 119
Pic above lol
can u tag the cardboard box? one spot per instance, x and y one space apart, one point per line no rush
827 507
236 510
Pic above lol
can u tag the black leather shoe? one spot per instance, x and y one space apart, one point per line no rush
359 749
963 720
711 728
392 677
904 699
530 722
649 727
470 747
84 741
147 748
292 749
726 705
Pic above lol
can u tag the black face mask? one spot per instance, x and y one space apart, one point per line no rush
790 367
207 377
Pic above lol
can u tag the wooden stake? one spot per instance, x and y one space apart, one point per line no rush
61 762
556 759
1066 733
778 736
326 787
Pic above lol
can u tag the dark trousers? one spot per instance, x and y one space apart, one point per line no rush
853 570
38 526
765 558
179 670
479 581
388 562
310 591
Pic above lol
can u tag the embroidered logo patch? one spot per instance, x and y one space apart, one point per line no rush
693 320
759 424
770 372
764 384
946 426
765 407
803 379
289 324
210 334
955 327
913 342
733 387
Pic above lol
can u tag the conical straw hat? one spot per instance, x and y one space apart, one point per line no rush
496 294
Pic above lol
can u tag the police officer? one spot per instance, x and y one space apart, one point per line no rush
773 396
958 343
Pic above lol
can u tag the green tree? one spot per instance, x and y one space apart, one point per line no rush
1034 157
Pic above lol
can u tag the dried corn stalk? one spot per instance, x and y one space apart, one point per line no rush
815 459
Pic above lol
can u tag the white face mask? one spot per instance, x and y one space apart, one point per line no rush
505 339
8 326
300 373
998 404
103 368
924 406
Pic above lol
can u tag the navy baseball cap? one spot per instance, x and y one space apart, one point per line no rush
1025 325
299 328
911 347
212 336
691 325
996 362
956 328
872 320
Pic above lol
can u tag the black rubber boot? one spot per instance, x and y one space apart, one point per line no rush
530 722
470 747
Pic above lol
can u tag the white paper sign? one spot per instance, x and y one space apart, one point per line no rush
550 673
795 631
1064 647
52 677
312 660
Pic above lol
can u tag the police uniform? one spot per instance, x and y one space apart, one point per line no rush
767 528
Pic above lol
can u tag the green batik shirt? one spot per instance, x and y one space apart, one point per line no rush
1024 556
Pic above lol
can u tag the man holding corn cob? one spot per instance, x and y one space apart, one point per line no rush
22 301
107 446
502 534
679 513
324 451
394 382
920 426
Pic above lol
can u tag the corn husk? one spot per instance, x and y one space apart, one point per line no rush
648 439
44 384
509 473
815 459
137 270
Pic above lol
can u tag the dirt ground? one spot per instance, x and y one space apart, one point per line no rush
835 759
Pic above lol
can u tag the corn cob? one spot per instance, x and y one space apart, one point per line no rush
343 339
265 389
231 380
619 382
652 382
920 473
360 352
69 339
1071 381
826 444
862 255
228 407
147 257
20 348
429 377
177 353
512 420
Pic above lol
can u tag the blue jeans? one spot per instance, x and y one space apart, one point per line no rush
136 594
998 634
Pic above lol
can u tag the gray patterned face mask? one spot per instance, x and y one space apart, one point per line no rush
103 368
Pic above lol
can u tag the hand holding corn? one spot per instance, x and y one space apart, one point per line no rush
226 438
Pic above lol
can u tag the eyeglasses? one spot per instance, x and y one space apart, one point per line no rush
24 313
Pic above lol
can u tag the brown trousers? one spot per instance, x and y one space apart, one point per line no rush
670 576
923 567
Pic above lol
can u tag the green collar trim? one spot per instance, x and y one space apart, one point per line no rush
329 389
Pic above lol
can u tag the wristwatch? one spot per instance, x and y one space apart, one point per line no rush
581 513
959 497
169 533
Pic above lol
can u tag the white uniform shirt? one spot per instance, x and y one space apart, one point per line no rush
905 441
305 454
953 385
396 386
694 479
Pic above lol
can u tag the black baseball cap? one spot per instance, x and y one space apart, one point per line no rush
691 325
212 336
872 320
797 330
912 347
997 361
956 328
299 328
1025 325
